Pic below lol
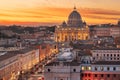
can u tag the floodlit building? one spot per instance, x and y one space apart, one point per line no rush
12 63
9 66
74 29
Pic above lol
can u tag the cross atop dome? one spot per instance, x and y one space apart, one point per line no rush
74 7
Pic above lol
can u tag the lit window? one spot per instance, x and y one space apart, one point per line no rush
89 68
83 68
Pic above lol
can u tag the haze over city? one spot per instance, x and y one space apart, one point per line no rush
54 12
59 39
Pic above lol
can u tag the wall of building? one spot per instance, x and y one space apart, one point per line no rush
71 34
62 72
106 55
9 68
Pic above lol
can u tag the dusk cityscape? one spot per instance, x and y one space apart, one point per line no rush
59 40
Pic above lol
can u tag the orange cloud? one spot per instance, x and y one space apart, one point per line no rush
49 15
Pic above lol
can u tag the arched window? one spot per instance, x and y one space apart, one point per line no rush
74 70
48 70
95 68
108 68
114 68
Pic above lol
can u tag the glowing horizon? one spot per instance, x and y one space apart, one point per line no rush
54 12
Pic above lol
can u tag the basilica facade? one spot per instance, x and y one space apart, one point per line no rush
74 29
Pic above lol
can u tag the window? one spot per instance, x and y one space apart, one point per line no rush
114 75
95 75
108 68
111 55
97 54
114 68
48 70
102 75
82 75
95 68
88 68
111 58
89 75
83 68
104 55
74 70
101 68
108 75
118 55
55 46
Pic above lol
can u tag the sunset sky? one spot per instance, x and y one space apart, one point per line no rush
54 12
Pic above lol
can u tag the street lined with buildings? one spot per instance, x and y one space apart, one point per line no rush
74 51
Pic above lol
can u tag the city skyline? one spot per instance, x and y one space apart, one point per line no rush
48 12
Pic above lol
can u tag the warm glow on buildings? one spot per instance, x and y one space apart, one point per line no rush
74 29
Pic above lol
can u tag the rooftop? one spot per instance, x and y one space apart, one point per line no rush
7 56
72 63
107 63
113 48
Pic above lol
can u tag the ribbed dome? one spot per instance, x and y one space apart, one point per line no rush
74 19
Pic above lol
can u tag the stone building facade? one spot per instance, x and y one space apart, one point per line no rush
74 29
84 68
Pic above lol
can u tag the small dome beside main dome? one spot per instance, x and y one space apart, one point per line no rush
74 19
